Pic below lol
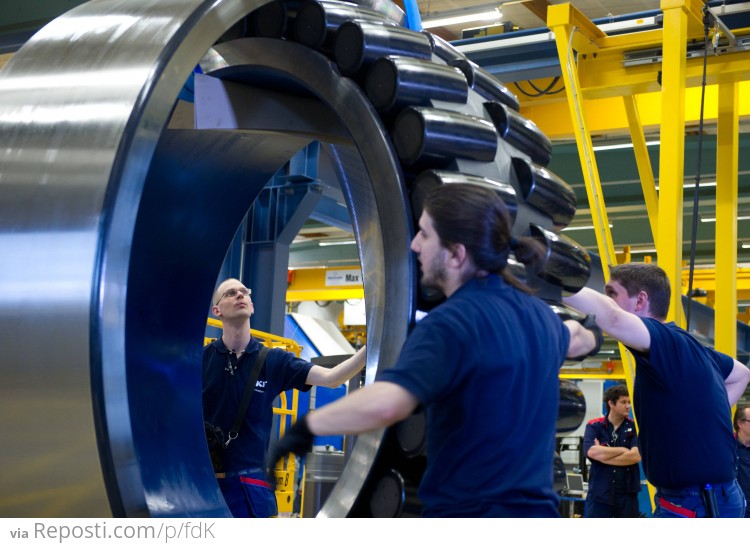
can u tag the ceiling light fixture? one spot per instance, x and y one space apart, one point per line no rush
643 250
583 227
712 218
622 146
463 16
692 185
337 243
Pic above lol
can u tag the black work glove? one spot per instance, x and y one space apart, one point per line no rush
589 323
297 440
587 320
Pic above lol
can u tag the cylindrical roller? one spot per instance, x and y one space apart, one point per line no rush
546 192
520 132
389 495
565 312
397 82
443 49
566 263
270 20
436 137
358 44
317 22
485 84
410 434
572 408
429 179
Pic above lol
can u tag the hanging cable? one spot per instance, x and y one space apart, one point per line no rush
696 196
540 92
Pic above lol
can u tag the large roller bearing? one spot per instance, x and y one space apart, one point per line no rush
115 216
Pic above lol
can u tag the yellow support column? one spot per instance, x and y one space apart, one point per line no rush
562 19
725 311
672 156
642 159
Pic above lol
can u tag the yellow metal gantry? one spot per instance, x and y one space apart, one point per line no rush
593 67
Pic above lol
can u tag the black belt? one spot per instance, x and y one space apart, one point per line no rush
692 489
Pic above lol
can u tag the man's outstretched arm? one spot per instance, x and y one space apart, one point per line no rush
613 320
341 373
376 406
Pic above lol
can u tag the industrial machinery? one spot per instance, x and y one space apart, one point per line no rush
118 201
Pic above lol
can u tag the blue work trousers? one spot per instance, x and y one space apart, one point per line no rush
625 505
248 494
688 502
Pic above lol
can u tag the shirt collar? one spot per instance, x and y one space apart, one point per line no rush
491 281
222 348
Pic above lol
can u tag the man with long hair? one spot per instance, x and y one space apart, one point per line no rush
484 365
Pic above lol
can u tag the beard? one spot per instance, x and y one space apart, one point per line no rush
433 276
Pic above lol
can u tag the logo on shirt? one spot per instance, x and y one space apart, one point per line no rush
261 385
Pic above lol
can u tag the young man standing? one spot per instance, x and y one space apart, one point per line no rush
611 443
473 362
683 393
227 363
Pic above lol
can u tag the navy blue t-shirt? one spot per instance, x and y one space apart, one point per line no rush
222 394
743 472
681 404
485 366
606 480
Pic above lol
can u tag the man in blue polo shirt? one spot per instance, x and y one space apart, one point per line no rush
484 364
611 443
742 435
226 368
677 379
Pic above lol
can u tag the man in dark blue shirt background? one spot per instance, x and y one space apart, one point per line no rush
742 435
611 443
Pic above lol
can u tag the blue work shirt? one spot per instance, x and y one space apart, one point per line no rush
485 365
743 472
606 480
223 391
680 401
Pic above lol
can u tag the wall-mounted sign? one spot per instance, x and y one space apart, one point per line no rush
349 276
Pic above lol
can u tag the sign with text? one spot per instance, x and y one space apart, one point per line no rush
349 276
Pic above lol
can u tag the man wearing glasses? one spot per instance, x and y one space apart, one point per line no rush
227 363
742 434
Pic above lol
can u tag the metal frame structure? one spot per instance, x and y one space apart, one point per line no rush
592 66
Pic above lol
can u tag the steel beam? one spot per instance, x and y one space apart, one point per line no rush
672 149
643 160
563 20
